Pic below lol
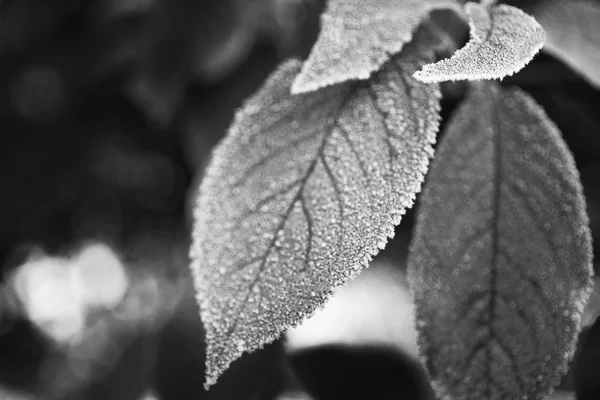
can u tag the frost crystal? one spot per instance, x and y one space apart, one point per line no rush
359 36
301 194
502 42
501 261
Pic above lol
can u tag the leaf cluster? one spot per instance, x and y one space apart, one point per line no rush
330 153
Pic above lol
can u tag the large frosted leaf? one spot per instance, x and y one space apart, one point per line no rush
301 194
358 36
573 29
502 42
500 264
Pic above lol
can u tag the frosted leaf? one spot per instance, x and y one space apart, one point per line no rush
500 265
502 42
301 194
358 36
573 30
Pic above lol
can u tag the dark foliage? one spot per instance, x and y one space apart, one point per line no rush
349 372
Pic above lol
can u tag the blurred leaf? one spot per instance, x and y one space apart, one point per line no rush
573 30
32 22
161 69
585 365
39 93
295 26
258 376
561 395
301 194
181 37
128 379
159 99
503 40
500 264
356 39
210 110
356 372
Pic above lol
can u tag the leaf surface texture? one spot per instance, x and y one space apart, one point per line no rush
502 42
301 194
500 263
358 36
573 30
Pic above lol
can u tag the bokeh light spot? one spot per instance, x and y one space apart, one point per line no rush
101 275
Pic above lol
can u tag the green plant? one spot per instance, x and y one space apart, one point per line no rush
320 165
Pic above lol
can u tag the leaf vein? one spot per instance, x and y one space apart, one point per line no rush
309 227
338 195
518 193
252 169
469 305
517 373
535 286
346 135
286 215
392 152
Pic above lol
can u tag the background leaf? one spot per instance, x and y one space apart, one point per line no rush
502 42
500 264
573 30
301 194
357 37
585 364
355 372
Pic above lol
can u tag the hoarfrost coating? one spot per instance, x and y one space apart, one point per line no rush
359 36
501 261
302 193
503 40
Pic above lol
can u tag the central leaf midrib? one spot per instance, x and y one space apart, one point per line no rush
496 193
285 216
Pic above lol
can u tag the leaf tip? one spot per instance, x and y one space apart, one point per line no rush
503 41
209 382
305 83
301 85
422 75
220 354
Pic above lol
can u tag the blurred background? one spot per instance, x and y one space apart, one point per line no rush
109 110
